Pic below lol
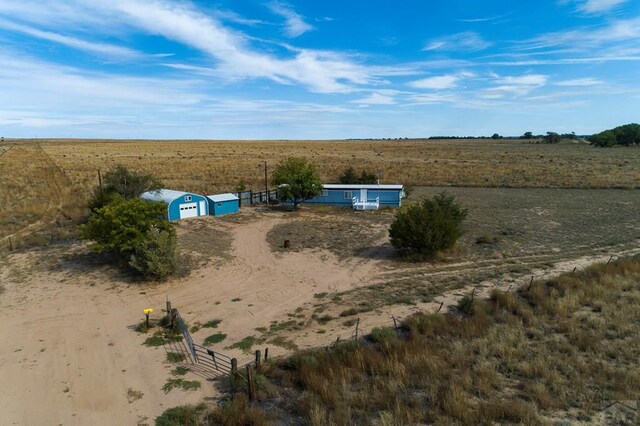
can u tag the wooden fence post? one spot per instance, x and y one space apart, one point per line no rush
10 244
234 366
266 353
530 283
258 359
168 309
608 261
251 197
441 304
357 325
250 384
174 317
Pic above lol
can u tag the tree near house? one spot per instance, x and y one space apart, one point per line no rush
125 183
296 180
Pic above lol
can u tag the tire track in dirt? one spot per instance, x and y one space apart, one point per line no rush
50 182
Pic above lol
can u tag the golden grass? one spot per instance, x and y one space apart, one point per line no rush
563 349
211 166
38 177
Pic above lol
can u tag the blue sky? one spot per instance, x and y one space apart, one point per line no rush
316 69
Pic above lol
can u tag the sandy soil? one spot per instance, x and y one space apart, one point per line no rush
69 354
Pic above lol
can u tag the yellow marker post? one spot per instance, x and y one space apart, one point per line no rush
146 313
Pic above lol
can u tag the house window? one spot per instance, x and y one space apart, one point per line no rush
325 193
187 197
348 195
219 204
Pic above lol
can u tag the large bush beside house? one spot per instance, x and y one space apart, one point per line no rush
136 232
432 225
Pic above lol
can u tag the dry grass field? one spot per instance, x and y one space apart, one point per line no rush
47 182
559 351
551 352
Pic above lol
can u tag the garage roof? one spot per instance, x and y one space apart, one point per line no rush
222 197
166 195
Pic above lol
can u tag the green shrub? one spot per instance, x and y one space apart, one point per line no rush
155 256
434 224
175 357
382 335
183 415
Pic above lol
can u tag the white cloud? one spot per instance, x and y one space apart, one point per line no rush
376 99
466 41
295 25
589 81
76 43
514 85
599 6
440 82
615 32
318 70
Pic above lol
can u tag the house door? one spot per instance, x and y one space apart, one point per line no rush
203 210
363 195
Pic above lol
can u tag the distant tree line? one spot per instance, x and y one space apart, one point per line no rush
627 135
350 176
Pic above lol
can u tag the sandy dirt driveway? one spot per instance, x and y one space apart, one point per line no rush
69 354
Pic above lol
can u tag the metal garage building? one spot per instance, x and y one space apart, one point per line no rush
223 204
180 205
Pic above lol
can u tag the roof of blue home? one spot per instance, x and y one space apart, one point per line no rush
222 197
360 186
166 195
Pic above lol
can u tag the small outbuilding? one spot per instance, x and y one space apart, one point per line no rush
221 204
360 196
180 205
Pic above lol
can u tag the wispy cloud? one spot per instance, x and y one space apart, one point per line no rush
466 41
295 25
105 49
440 82
375 99
514 85
599 6
476 20
321 71
580 82
617 31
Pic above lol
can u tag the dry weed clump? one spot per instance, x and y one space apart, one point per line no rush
559 346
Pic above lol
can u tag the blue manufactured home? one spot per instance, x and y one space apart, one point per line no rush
360 196
180 205
223 204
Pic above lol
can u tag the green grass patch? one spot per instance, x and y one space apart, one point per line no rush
279 326
179 371
320 295
247 343
324 319
236 299
284 343
212 323
182 415
175 357
180 383
162 337
214 338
